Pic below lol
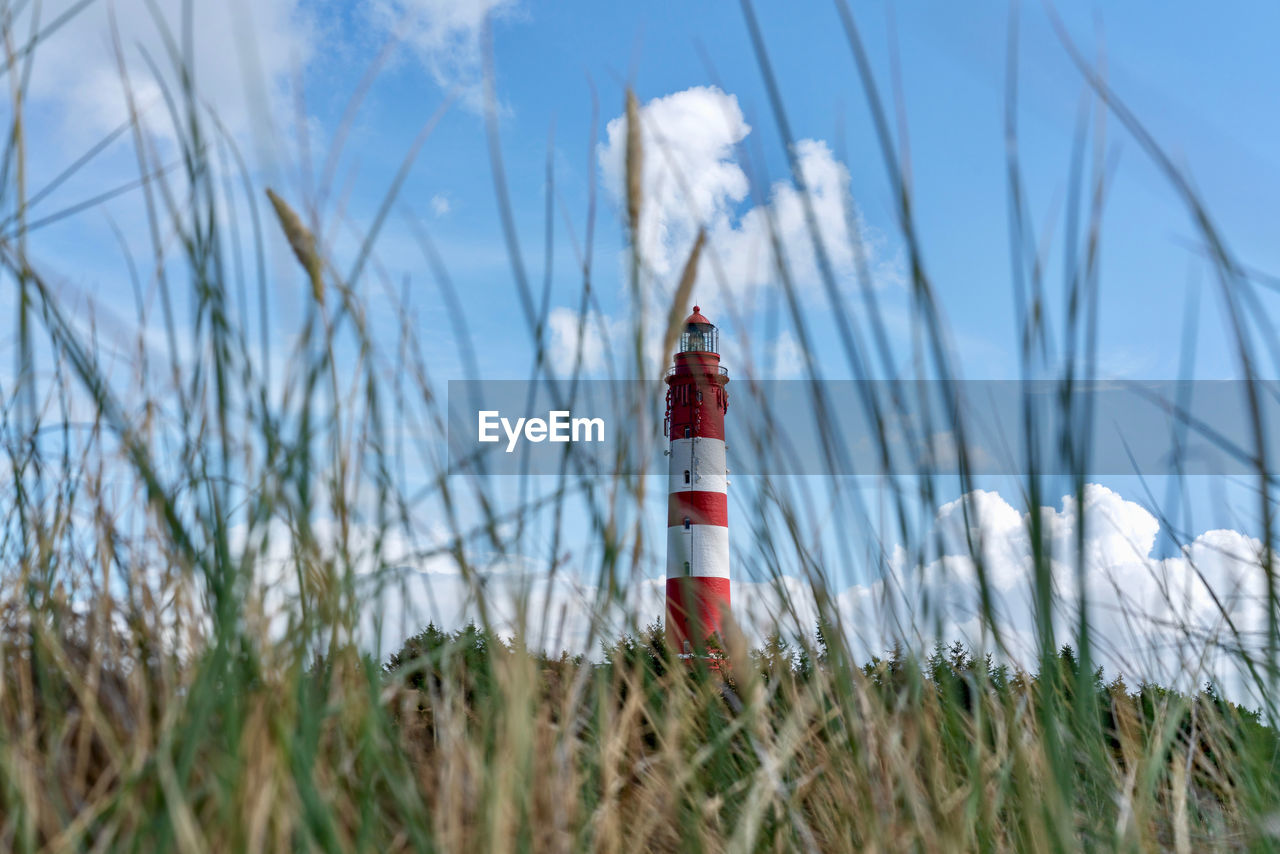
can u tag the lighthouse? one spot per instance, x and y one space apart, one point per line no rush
698 501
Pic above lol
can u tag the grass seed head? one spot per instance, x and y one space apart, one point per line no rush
635 162
302 241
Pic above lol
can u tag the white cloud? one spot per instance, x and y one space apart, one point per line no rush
550 614
440 205
690 175
827 182
692 178
245 51
1151 618
782 358
446 36
599 337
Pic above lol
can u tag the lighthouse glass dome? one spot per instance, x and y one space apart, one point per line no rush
699 335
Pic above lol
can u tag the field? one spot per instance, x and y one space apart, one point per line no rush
205 511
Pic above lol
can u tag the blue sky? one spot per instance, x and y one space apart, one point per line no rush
1202 79
1202 82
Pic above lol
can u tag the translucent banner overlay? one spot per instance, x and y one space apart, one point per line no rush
838 427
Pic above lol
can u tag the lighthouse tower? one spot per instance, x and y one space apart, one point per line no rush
697 505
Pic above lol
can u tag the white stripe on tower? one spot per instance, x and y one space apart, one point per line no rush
705 548
706 465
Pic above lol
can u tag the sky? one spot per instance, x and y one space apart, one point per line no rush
264 64
282 74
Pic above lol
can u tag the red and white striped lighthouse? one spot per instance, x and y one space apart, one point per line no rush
698 501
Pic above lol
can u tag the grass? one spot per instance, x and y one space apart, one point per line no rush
190 550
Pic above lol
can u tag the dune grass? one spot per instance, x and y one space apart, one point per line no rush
194 533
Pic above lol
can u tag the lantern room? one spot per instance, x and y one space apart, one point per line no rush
699 335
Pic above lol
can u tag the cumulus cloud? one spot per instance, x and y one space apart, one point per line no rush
242 52
690 173
446 36
1150 617
1161 619
692 177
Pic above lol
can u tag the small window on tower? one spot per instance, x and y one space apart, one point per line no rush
686 475
688 431
699 397
686 523
686 567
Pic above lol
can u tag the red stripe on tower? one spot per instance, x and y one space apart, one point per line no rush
697 507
